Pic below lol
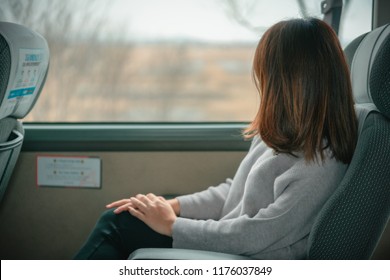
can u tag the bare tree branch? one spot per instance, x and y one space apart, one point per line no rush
240 12
73 29
302 8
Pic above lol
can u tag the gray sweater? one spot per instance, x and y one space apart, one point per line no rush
265 212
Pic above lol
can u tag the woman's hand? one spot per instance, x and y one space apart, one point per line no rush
122 205
158 213
154 211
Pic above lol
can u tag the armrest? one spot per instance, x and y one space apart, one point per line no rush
181 254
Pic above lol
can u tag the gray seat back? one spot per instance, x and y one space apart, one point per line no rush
24 61
350 224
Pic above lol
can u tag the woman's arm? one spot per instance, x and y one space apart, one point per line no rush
212 197
280 224
272 228
160 214
124 204
207 204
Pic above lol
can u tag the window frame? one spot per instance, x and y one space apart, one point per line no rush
120 137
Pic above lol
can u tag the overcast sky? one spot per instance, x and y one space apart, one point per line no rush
210 20
195 20
205 20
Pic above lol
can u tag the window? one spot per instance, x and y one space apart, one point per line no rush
153 60
356 19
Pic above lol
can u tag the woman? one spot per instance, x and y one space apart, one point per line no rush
304 135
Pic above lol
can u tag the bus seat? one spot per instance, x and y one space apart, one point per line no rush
24 61
350 224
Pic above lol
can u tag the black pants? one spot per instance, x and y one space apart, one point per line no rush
116 236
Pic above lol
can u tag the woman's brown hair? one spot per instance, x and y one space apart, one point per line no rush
306 102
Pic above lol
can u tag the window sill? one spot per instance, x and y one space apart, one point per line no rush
134 137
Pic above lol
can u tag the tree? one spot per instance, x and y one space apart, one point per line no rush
79 54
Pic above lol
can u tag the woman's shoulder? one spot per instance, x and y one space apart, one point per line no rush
321 171
321 176
256 141
297 160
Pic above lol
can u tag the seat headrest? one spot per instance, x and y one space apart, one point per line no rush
370 70
24 62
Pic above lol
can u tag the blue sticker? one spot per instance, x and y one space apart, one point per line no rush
21 92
